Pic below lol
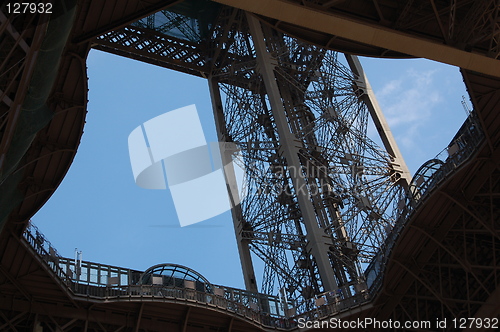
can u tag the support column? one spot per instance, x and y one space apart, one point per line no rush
379 119
139 317
222 136
318 243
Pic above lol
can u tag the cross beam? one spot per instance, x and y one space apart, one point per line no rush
366 33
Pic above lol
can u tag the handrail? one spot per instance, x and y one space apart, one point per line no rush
428 177
106 282
45 251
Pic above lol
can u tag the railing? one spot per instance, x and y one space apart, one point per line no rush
259 308
45 251
427 178
105 282
96 274
332 307
100 281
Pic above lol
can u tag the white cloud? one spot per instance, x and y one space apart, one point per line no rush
408 103
389 88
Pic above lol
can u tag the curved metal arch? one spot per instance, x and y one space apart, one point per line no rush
182 270
425 178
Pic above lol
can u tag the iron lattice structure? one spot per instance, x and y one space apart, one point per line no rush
349 182
322 196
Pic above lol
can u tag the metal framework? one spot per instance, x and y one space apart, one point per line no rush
322 194
155 48
463 33
147 291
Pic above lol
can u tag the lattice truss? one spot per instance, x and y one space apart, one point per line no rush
173 24
350 180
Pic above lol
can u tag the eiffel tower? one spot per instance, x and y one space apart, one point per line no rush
331 215
322 195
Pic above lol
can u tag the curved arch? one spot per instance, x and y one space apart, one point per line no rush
425 178
175 275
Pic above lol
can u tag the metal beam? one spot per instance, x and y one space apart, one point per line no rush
15 282
5 99
5 24
414 272
125 20
10 322
68 324
379 119
491 308
463 206
371 34
158 49
463 263
449 10
222 136
186 319
438 19
139 317
316 241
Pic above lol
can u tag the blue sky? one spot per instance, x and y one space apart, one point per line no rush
99 209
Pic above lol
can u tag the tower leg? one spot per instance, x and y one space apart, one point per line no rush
238 220
379 119
318 243
321 192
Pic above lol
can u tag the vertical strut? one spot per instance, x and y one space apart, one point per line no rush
379 119
237 215
322 195
318 242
